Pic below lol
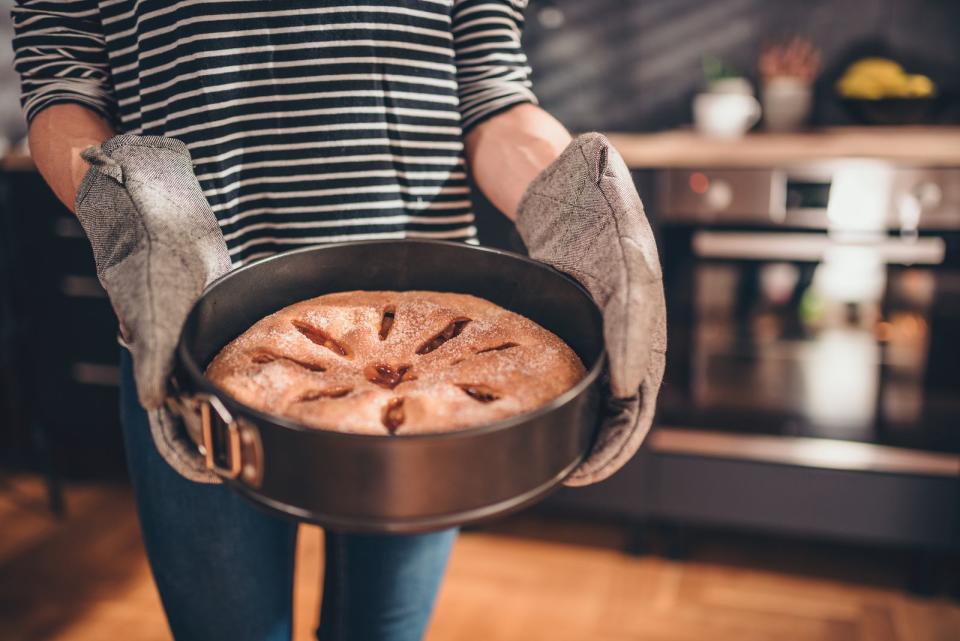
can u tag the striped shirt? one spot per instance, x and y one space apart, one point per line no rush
307 122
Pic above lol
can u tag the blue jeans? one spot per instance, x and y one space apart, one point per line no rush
224 568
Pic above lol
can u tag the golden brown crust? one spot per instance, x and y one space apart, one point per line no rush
395 362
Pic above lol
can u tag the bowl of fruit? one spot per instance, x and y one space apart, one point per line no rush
879 91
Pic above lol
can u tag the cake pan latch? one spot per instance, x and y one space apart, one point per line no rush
230 448
229 463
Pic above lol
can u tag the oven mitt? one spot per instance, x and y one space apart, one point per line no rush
157 244
583 216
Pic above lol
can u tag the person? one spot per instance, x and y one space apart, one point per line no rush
193 137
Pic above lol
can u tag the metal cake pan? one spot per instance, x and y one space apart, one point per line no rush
374 483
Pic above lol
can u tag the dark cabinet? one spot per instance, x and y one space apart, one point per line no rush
58 351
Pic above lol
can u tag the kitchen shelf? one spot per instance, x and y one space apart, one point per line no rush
920 146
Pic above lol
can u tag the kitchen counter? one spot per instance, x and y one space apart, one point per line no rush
927 146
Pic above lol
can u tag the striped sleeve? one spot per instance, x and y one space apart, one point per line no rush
492 70
60 54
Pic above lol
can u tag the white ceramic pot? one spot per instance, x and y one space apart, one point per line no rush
725 115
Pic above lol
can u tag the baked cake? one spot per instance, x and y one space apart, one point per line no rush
395 363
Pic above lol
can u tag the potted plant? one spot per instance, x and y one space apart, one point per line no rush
788 70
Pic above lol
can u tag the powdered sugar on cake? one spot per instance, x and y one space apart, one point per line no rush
395 363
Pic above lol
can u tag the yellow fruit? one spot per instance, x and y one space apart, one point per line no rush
876 78
863 87
919 86
876 66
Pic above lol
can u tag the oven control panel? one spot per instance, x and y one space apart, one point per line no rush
709 195
853 195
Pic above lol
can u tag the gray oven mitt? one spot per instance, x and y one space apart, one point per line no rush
157 245
583 216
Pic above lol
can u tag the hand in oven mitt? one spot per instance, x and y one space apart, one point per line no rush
583 216
157 244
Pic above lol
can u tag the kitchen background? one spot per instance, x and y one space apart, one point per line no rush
803 480
617 65
634 65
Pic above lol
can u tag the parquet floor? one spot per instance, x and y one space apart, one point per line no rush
527 579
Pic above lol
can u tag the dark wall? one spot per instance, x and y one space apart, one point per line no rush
634 65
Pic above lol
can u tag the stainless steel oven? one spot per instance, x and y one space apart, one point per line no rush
817 301
813 367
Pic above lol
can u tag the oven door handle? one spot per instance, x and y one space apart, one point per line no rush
813 247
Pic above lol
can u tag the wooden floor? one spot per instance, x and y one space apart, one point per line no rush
527 579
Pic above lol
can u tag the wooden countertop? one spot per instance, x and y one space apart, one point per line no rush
927 146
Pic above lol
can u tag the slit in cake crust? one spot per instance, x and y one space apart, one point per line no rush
453 329
392 415
263 356
321 338
479 392
386 376
317 394
497 348
386 321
